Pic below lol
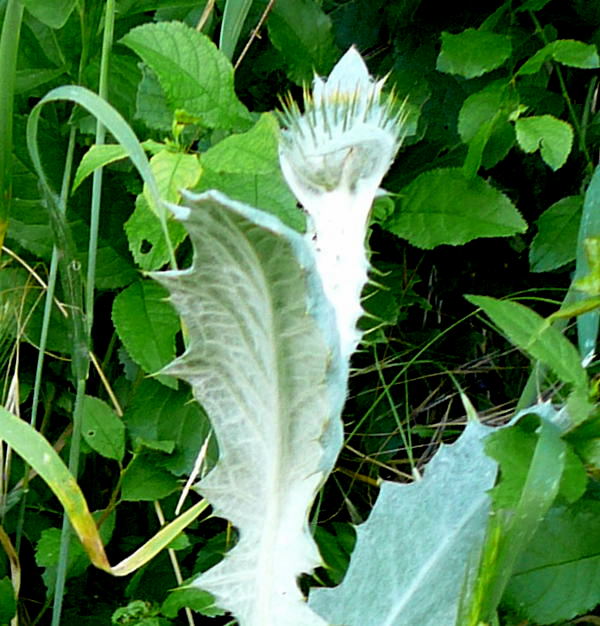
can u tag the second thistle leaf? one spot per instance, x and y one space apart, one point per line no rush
418 538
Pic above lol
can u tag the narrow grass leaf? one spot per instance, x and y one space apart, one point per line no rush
234 15
587 325
520 521
40 455
535 336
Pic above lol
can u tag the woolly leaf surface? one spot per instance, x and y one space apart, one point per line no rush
262 359
420 544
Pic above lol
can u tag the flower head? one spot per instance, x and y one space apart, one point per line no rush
347 136
334 156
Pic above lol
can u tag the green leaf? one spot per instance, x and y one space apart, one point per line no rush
563 555
565 51
483 124
252 152
28 80
514 526
196 599
144 479
301 32
53 14
146 236
173 172
147 324
102 430
48 547
8 602
586 266
444 207
97 156
194 75
553 137
472 52
556 240
514 447
151 103
534 335
246 168
156 414
430 530
259 348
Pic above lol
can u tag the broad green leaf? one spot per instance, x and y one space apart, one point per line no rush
534 335
151 105
102 430
259 348
563 555
301 32
8 602
97 156
147 324
156 414
234 16
196 599
472 52
483 124
443 207
253 152
48 547
42 457
565 51
113 270
53 14
28 80
173 172
513 448
415 552
556 240
553 137
144 479
246 168
146 236
194 75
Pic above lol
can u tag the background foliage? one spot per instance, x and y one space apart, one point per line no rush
486 197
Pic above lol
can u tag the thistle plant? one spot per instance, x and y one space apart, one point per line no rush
333 157
271 318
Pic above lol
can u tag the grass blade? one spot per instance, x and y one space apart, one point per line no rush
233 20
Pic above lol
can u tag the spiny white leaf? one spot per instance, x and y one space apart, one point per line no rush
263 360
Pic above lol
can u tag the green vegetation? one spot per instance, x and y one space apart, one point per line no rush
480 327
